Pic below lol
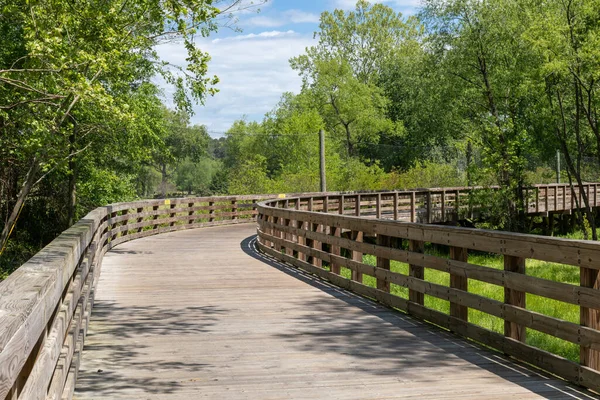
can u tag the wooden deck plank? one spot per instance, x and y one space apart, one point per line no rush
195 314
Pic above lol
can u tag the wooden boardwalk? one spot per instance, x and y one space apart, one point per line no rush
199 314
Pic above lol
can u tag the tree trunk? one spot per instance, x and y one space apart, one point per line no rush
72 185
16 210
163 182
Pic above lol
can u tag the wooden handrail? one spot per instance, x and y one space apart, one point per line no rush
45 304
309 232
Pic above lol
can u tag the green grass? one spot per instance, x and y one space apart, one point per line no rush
540 269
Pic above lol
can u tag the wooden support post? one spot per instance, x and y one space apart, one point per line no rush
140 219
514 297
341 205
546 199
459 282
416 246
190 213
357 236
357 206
564 197
457 204
336 249
155 216
429 208
211 211
288 237
590 317
537 199
299 238
443 206
413 207
555 198
125 222
326 204
395 206
172 215
378 206
595 194
112 226
317 262
383 263
234 209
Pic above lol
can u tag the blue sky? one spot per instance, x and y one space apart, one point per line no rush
252 65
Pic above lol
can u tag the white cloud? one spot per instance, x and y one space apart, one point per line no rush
301 17
271 34
282 18
398 4
253 70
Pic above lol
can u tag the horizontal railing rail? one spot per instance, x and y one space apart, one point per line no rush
45 305
326 234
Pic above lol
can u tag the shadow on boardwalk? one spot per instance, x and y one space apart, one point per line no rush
408 356
122 323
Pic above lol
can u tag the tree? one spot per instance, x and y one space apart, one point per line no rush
566 39
60 58
365 39
487 60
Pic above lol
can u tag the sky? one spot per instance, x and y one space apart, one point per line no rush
253 65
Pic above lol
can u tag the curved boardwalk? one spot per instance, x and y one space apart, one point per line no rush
198 314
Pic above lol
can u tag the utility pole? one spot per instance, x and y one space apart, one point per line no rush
557 166
322 159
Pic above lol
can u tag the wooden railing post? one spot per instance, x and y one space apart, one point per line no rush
416 271
172 215
459 282
357 206
113 226
555 198
457 204
234 209
357 236
378 206
443 206
383 263
211 211
140 219
413 207
155 216
395 206
301 240
546 199
288 236
590 317
337 232
429 208
315 244
190 213
514 297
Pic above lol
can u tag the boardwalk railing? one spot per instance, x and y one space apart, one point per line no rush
323 234
45 305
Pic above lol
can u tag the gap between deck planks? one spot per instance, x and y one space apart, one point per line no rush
199 314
